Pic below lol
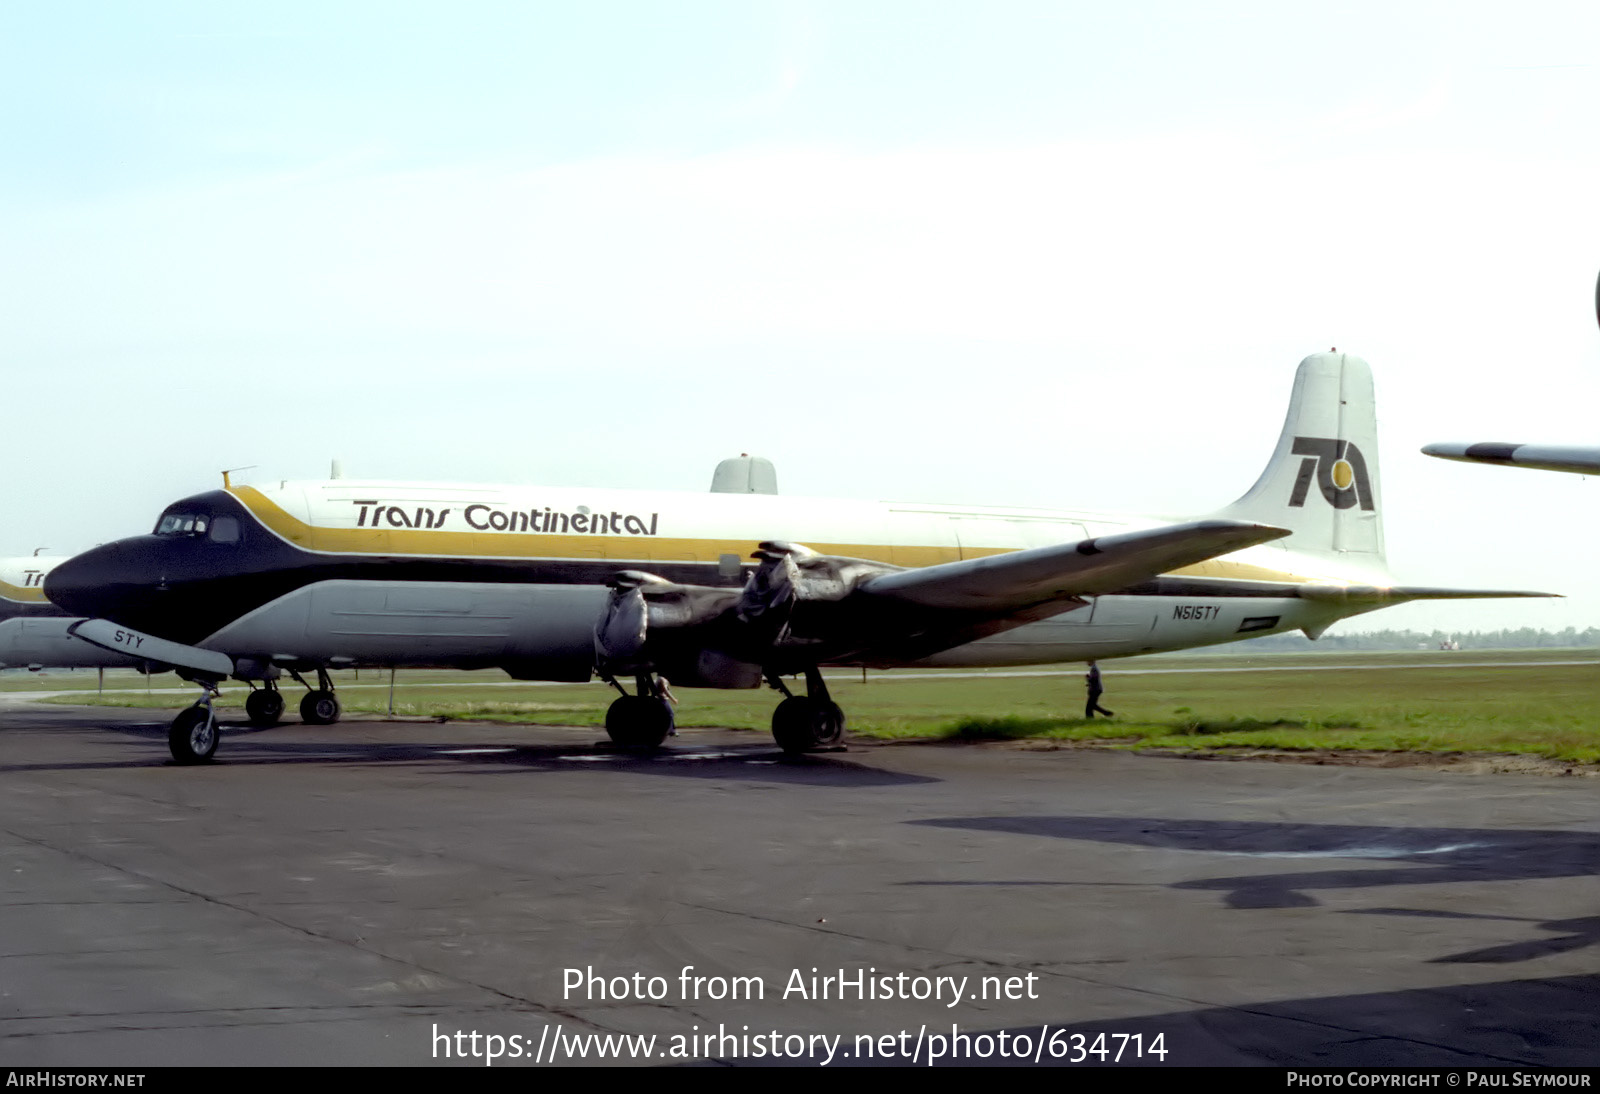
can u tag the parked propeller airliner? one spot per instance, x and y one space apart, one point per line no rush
33 631
559 584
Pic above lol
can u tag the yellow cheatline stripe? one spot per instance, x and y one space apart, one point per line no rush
486 545
30 595
422 541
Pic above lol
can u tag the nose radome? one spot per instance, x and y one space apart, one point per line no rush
78 585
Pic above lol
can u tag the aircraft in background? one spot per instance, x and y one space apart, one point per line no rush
1542 457
727 590
1579 459
33 631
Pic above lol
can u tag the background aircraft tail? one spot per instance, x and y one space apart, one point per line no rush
1322 480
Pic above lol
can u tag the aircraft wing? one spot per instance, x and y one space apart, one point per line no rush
1544 457
1023 579
804 608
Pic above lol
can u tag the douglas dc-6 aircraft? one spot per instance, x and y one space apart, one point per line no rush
558 584
33 631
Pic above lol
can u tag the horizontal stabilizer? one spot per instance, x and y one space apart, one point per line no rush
1400 594
1542 457
1091 567
119 639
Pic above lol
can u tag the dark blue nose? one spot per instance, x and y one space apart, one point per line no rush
93 583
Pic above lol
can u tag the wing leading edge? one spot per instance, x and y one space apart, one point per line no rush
1024 579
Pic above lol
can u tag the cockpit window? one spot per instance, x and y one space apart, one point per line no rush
185 524
225 530
176 524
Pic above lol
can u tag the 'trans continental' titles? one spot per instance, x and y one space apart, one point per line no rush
850 985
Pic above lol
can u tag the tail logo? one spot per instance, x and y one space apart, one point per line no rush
1340 470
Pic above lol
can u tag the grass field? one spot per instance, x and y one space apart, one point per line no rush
1478 701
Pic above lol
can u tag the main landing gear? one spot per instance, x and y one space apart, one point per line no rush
319 706
806 723
192 738
264 705
640 721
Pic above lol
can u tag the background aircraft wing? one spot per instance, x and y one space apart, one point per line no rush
1544 457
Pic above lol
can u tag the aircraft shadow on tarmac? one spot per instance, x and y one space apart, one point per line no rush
1441 855
1574 934
759 761
1545 1023
756 762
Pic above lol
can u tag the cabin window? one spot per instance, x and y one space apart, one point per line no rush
225 530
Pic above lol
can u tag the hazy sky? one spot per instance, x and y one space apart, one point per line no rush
1015 253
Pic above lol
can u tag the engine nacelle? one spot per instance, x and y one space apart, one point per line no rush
641 617
715 636
624 626
792 579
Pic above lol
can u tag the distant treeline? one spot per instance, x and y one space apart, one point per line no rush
1522 638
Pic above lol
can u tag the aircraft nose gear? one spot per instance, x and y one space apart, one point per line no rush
640 721
319 706
806 723
264 706
193 736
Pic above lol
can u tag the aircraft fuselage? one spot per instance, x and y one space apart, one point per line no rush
408 574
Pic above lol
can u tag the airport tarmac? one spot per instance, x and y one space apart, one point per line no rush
366 892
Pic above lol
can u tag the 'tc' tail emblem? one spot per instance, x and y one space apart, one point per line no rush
1340 469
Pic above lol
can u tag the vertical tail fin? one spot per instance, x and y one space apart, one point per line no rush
1322 480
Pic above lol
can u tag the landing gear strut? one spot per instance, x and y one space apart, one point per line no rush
192 738
640 721
806 723
319 706
264 706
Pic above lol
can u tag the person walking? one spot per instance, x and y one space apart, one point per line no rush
663 691
1092 682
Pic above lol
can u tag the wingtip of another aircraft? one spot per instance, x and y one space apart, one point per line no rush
1543 457
1477 452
